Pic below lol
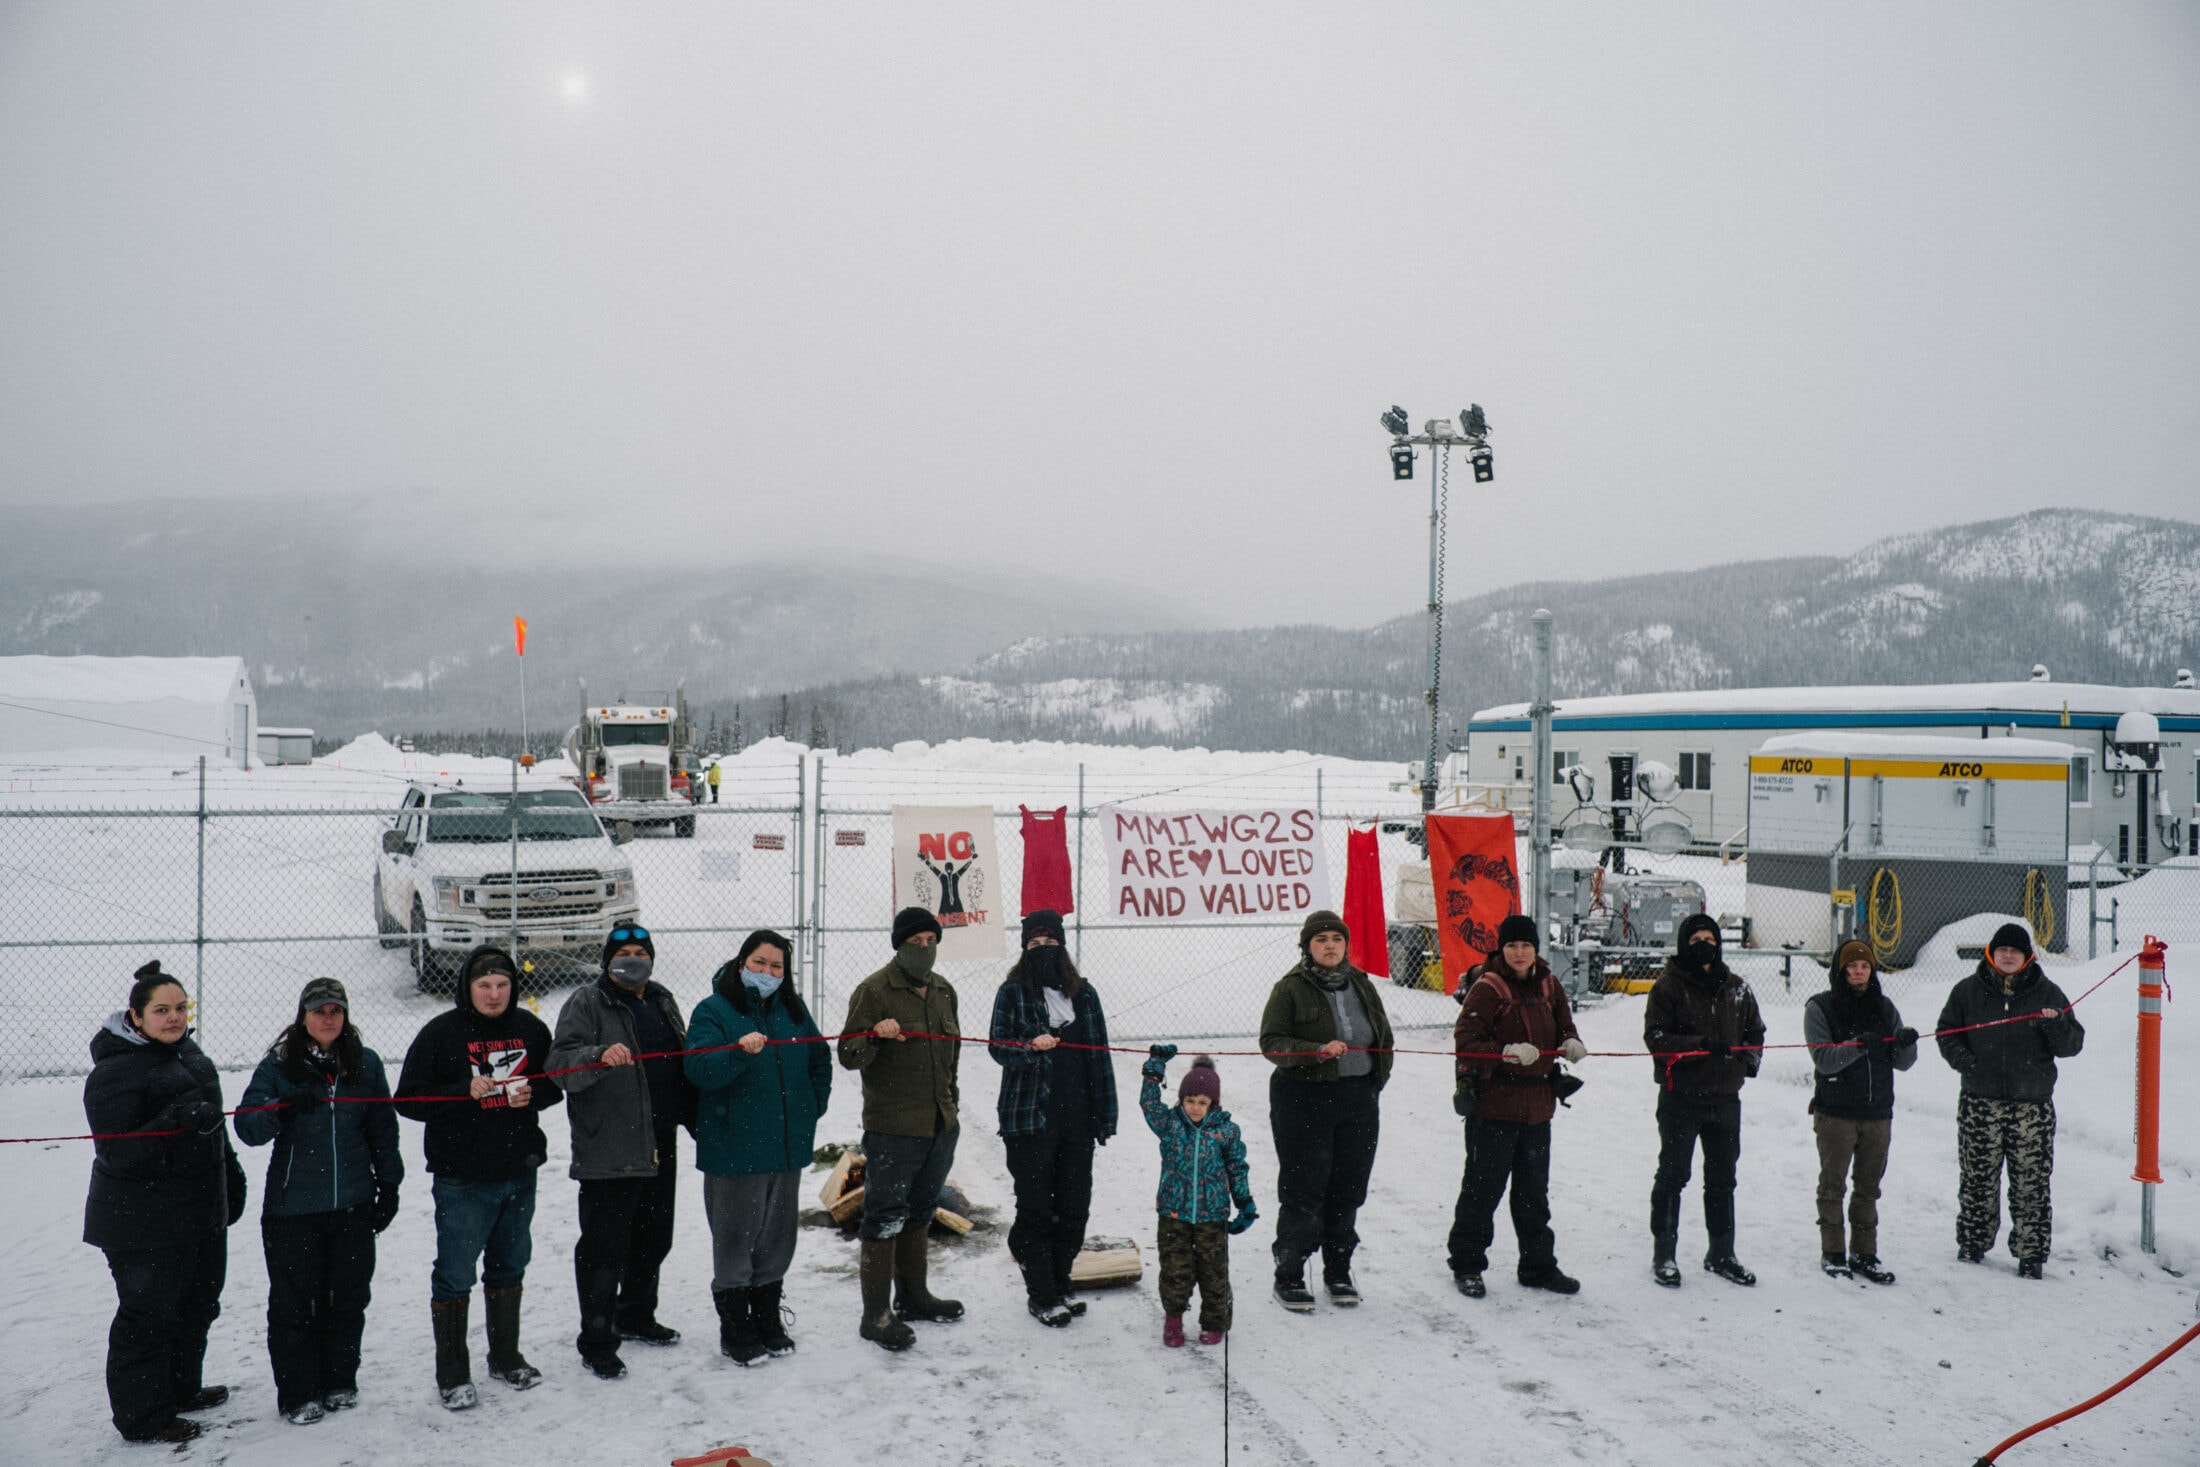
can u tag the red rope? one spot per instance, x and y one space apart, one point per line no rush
2086 1405
1288 1054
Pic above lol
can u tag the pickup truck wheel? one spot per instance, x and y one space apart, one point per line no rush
391 939
430 972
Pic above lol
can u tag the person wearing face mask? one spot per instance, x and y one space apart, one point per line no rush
1514 1009
1325 1031
1857 1041
2015 1024
911 1121
625 1099
1056 1104
474 1078
332 1185
1705 1038
160 1207
764 1079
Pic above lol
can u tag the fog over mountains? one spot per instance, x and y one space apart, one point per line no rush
347 627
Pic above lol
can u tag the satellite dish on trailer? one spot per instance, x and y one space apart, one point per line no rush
1666 838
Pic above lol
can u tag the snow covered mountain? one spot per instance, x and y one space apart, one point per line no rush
2097 598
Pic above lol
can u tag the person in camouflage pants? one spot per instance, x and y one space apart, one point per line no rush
2002 1030
1196 1254
1989 1133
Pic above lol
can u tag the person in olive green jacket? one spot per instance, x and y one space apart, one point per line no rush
764 1077
1326 1033
910 1100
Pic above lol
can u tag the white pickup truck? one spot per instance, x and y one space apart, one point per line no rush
444 879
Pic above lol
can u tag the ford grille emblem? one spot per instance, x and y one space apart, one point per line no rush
544 894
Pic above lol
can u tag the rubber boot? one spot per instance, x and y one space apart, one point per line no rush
598 1340
912 1300
771 1325
876 1272
454 1369
1662 1267
505 1361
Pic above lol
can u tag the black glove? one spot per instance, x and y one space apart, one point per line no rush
236 1190
385 1207
1162 1052
194 1117
306 1101
1905 1035
1718 1049
1463 1098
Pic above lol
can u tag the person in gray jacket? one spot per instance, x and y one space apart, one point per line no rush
1857 1041
625 1116
2002 1030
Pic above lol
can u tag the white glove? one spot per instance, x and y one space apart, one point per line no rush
1574 1050
1522 1053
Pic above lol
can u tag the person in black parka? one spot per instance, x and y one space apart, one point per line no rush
160 1207
322 1097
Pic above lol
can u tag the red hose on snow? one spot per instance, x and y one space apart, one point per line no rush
2083 1406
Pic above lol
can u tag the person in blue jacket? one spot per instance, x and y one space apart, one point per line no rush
765 1075
1203 1175
321 1096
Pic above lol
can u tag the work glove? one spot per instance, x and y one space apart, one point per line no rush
1247 1216
385 1207
1463 1100
1522 1053
236 1190
194 1118
1162 1052
1574 1051
1718 1049
1905 1035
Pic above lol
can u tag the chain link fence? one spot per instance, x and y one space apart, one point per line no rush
247 886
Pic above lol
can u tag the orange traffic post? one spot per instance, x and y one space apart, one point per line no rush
2148 1172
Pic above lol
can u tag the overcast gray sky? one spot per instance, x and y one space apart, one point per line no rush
1116 289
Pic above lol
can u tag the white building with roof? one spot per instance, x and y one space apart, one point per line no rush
1707 738
128 709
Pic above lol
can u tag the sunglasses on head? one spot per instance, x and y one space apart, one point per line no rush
630 934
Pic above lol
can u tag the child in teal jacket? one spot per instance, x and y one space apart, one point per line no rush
1203 1175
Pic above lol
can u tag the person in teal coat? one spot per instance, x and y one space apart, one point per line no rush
765 1075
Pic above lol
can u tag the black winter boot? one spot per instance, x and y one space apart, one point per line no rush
505 1361
1337 1278
1291 1290
1866 1266
737 1339
770 1318
876 1271
912 1299
454 1369
1554 1279
1662 1267
1721 1261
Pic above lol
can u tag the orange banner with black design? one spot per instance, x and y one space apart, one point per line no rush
1474 862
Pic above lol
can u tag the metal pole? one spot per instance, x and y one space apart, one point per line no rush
198 972
817 887
513 903
796 867
1539 744
1078 950
1318 811
2093 905
1439 461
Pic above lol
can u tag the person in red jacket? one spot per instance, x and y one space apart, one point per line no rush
1513 1020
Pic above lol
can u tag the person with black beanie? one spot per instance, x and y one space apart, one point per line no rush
903 1036
1325 1031
764 1079
1857 1041
160 1206
626 1096
332 1184
1056 1105
1706 1038
2002 1030
1514 1025
474 1078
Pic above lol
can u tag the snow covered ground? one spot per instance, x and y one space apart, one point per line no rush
1799 1370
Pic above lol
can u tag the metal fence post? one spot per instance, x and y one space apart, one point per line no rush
1077 952
2093 905
511 902
198 972
795 870
1833 904
1539 745
817 890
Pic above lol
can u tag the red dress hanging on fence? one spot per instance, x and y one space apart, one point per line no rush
1047 880
1363 903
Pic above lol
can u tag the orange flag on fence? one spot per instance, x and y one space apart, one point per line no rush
1473 862
519 634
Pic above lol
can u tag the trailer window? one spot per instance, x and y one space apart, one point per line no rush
621 735
2081 779
1695 770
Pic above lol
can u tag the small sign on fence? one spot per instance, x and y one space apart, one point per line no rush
770 842
719 865
848 838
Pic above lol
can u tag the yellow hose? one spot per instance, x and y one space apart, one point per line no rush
1883 916
2039 907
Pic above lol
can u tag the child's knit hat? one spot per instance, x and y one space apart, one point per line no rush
1201 1079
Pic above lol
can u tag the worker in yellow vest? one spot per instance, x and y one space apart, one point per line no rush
714 781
